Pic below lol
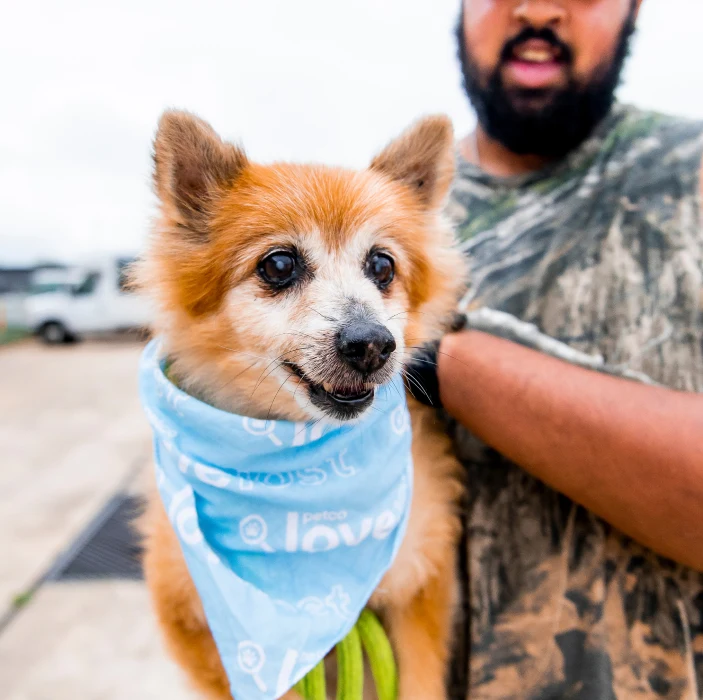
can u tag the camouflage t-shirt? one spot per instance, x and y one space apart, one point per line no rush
603 251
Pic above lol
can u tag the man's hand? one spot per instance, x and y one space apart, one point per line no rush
421 376
421 372
631 453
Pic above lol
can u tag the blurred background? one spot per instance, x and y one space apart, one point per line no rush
82 87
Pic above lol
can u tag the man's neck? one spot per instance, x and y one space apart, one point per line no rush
495 159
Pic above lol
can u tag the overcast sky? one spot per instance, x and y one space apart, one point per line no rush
82 85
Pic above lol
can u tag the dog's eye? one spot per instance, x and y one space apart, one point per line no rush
380 268
279 269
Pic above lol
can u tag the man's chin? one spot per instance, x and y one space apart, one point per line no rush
533 103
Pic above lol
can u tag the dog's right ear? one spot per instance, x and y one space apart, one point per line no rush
192 166
421 158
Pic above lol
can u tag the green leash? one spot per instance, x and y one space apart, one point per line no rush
367 634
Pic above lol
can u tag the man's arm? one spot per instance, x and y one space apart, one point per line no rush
632 454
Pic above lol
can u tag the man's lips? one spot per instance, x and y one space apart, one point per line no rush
534 75
535 64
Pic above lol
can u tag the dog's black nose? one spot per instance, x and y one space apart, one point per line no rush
365 346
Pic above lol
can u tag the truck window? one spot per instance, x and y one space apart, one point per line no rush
88 285
48 287
123 284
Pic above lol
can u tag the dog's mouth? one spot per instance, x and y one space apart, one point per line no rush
340 401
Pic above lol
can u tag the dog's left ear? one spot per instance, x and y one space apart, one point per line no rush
192 165
423 159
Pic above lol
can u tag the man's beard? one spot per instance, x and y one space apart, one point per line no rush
544 122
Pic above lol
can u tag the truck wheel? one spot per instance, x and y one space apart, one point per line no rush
54 333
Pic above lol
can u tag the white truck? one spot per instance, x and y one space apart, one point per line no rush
93 298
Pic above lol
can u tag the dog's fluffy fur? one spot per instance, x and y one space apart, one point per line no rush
229 337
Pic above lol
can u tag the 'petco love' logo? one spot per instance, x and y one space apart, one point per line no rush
321 532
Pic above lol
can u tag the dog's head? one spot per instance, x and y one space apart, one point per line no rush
294 291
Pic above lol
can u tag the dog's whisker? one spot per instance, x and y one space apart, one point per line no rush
407 313
273 369
307 335
422 359
264 358
314 422
453 358
236 376
251 354
395 388
319 313
407 386
261 376
417 384
274 398
419 342
300 381
277 363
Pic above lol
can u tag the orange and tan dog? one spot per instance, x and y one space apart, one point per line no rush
292 291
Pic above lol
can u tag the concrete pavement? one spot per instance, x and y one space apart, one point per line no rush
71 431
72 435
88 641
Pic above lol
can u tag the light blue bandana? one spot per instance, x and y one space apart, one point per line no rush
286 528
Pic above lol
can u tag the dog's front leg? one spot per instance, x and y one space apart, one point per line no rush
421 636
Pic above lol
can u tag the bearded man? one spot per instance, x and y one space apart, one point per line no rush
584 519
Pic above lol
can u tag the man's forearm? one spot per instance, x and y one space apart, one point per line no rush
632 454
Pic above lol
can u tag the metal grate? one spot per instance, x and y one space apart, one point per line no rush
108 548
